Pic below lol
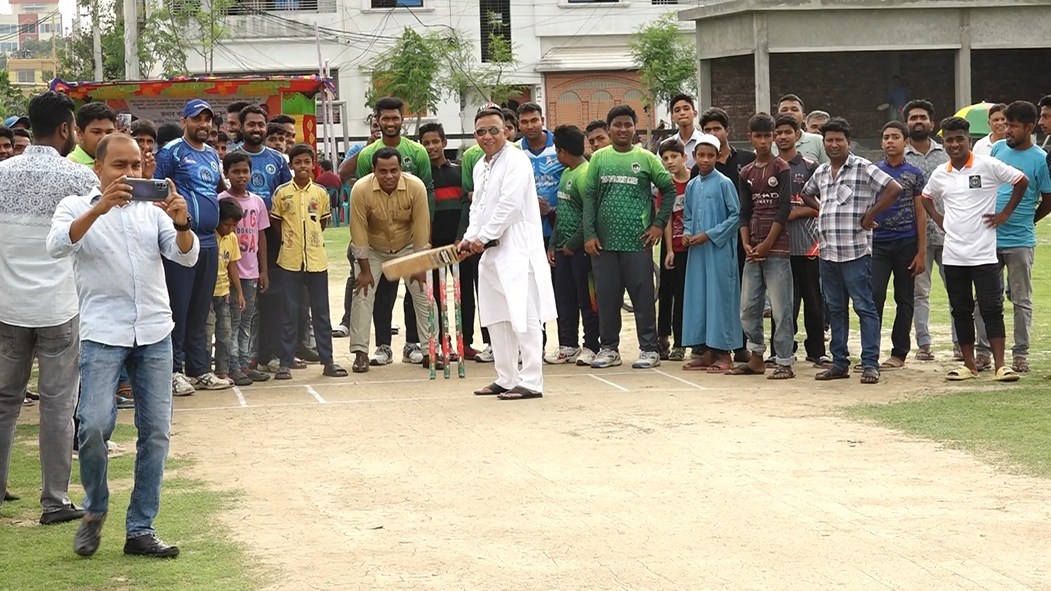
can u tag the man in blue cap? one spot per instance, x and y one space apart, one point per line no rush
17 122
194 167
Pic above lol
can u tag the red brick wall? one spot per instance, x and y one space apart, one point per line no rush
849 85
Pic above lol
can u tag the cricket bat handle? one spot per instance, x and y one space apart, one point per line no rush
492 243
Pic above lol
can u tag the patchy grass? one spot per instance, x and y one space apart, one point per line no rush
35 557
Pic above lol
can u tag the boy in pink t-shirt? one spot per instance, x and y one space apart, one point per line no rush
237 166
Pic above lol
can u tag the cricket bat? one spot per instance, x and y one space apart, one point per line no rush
427 260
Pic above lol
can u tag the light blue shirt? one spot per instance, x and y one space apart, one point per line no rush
1020 230
117 269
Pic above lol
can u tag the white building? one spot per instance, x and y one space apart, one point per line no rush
573 55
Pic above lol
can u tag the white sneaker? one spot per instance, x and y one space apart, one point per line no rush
563 355
647 360
412 353
181 386
210 381
340 332
271 366
394 328
606 358
485 356
382 356
585 357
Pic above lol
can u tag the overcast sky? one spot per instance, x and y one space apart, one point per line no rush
68 8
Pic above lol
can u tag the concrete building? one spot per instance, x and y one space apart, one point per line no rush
840 55
572 54
31 74
29 20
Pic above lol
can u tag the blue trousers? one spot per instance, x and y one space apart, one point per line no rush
190 290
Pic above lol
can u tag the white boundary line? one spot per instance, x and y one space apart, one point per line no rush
677 379
609 383
316 396
240 397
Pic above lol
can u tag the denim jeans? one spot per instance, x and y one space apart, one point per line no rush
893 257
851 280
1019 264
223 346
241 326
149 367
57 348
770 278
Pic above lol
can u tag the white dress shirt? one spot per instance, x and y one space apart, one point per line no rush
118 271
36 291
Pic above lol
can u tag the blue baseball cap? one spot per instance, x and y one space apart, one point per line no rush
15 120
195 107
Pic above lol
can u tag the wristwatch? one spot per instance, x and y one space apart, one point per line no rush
185 227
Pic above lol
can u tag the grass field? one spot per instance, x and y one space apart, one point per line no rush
1006 424
33 557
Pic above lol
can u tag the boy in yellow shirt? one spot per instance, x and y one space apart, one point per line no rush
299 215
230 214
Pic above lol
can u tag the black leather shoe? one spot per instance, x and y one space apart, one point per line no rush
70 512
149 545
10 497
310 355
89 533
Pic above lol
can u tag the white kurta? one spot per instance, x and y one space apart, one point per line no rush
505 208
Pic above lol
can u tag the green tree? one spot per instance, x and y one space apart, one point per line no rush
195 25
667 61
411 70
12 100
488 78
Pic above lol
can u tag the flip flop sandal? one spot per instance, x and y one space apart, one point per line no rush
719 369
334 371
283 374
960 375
695 365
743 370
1006 374
870 375
924 354
493 389
781 372
1020 365
823 362
833 373
888 364
519 393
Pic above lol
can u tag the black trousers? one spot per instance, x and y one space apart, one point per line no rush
806 294
669 299
316 285
986 282
573 301
893 257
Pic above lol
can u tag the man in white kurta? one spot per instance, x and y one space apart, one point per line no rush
515 296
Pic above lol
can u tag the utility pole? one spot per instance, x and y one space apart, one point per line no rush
96 41
131 40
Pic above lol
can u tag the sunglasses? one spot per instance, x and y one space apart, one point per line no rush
493 131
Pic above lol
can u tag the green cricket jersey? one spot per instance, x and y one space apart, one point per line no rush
569 223
414 160
618 201
471 156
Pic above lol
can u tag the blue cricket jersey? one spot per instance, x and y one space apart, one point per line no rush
269 171
547 172
196 175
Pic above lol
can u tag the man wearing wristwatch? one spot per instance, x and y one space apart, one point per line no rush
117 246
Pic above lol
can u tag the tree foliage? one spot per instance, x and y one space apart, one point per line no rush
487 78
196 25
667 61
12 100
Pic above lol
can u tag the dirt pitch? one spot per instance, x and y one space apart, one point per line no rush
617 479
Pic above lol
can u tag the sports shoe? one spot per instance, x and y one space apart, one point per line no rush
585 357
149 545
395 328
89 533
563 355
382 356
181 386
606 358
340 332
210 381
411 353
677 354
647 360
125 402
485 356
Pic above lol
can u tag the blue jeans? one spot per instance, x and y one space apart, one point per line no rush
853 280
149 367
223 338
241 322
771 278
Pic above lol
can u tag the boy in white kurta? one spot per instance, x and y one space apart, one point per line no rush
515 296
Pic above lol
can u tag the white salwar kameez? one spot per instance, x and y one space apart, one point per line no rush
515 296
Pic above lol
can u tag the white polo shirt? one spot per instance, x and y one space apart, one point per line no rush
969 194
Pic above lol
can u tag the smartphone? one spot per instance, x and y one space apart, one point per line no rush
148 189
123 121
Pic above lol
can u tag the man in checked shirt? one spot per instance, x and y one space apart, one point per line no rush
847 187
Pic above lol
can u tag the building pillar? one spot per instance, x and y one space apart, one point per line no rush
761 63
704 84
963 62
